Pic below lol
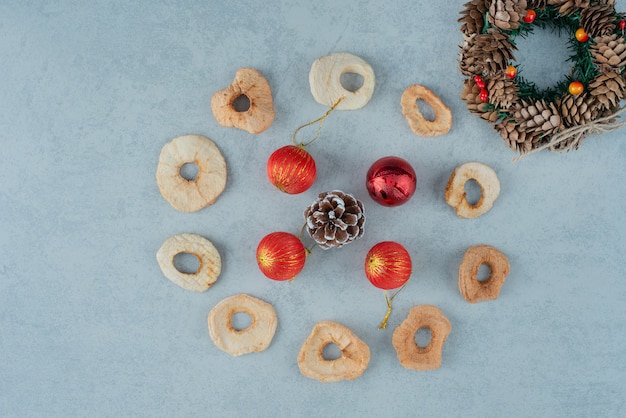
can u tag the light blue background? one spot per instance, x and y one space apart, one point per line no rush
90 327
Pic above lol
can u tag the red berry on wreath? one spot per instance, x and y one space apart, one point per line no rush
530 16
581 35
281 256
484 96
511 71
479 82
622 25
575 88
291 169
391 181
388 265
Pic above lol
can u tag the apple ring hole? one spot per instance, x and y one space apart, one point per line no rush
426 110
241 103
240 321
351 81
331 351
423 337
187 263
484 273
473 192
189 171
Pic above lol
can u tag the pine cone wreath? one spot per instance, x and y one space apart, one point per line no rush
609 53
334 219
506 14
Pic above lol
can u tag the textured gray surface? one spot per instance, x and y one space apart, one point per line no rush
90 327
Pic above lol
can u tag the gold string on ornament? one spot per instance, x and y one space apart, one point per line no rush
383 324
319 128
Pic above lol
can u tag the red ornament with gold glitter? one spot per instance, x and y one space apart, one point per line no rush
391 181
281 256
388 266
291 168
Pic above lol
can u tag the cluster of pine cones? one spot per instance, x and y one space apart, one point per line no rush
526 124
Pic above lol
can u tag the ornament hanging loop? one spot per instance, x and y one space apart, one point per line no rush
388 299
319 120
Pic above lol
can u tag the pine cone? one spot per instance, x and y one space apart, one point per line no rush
577 110
503 92
529 124
608 90
472 17
486 54
598 20
609 53
516 137
471 95
566 7
334 219
506 14
537 4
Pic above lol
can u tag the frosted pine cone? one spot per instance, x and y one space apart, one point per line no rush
334 219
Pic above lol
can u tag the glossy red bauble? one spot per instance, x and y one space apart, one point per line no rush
281 256
388 265
291 169
391 181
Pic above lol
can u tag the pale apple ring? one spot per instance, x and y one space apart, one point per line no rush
455 189
411 355
355 354
254 338
480 291
258 116
191 195
325 80
418 123
210 262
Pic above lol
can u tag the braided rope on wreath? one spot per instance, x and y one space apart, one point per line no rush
559 118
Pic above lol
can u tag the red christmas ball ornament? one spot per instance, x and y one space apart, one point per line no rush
388 265
281 256
291 169
391 181
530 16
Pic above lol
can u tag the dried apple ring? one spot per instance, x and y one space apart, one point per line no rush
355 354
210 262
325 81
470 287
255 337
455 189
258 116
411 355
418 123
203 190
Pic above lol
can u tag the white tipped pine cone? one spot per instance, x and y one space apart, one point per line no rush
334 219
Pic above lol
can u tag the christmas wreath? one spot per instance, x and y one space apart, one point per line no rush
558 118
